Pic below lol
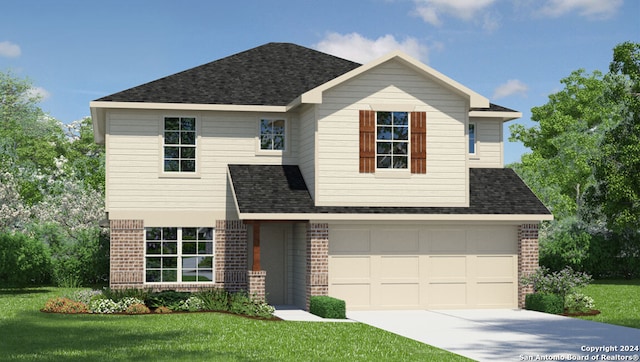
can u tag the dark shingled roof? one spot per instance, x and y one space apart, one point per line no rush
281 189
272 74
494 108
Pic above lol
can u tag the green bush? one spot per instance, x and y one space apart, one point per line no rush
242 303
578 303
544 302
327 307
24 261
215 299
119 294
560 282
167 298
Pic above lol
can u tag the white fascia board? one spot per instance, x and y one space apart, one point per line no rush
99 125
475 99
188 106
399 217
504 116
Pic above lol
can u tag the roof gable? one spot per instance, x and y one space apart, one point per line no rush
271 74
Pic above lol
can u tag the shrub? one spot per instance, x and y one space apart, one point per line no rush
162 310
561 282
578 303
24 261
192 304
85 296
544 302
64 305
137 308
327 307
104 306
215 299
242 303
119 294
168 298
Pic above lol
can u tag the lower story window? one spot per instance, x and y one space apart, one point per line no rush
179 255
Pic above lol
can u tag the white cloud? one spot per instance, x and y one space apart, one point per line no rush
431 10
511 87
360 49
594 9
9 50
38 92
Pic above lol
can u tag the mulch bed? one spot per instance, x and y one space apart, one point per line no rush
582 314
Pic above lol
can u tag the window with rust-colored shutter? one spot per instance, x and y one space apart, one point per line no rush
418 142
367 141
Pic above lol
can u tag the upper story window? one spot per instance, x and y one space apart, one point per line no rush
272 134
472 138
179 144
392 140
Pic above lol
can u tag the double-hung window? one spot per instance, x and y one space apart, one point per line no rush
179 144
179 255
392 140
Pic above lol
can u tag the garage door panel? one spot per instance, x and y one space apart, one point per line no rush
356 296
395 241
496 267
447 268
350 267
399 295
447 295
399 267
349 241
496 241
447 241
495 295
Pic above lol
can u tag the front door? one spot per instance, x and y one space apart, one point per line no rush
272 260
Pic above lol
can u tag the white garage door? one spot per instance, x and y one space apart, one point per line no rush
408 267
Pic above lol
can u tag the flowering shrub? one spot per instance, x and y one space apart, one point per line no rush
578 303
192 304
137 308
127 302
64 305
242 303
561 282
104 306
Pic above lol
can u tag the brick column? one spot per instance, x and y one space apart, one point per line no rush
256 284
527 257
231 255
317 278
126 254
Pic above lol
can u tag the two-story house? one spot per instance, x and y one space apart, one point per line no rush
291 173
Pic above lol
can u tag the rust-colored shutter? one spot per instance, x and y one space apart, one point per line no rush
418 142
367 141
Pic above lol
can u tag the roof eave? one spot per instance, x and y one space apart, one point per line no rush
512 218
503 116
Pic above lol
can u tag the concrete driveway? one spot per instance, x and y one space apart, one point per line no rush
509 335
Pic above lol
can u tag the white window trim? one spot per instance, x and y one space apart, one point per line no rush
394 172
475 138
179 261
259 150
187 175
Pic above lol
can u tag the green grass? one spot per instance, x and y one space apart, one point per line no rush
617 300
26 334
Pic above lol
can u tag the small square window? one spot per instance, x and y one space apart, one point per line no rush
272 134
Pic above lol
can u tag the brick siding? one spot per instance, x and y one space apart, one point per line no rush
317 278
126 254
256 284
527 257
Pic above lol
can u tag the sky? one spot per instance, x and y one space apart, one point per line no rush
515 52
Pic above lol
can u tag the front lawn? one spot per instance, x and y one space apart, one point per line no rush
28 334
617 300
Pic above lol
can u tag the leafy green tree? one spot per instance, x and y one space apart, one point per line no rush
617 169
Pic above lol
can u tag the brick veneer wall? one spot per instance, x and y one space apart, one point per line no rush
126 254
527 257
231 255
317 277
